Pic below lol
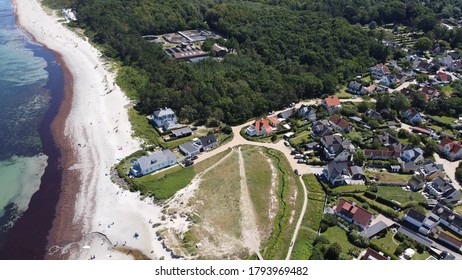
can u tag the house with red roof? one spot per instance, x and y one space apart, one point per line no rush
379 70
273 121
332 104
451 148
380 154
340 124
353 213
430 92
443 78
260 128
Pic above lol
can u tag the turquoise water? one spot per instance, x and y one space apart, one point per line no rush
23 103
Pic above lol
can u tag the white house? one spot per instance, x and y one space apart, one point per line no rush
165 118
153 162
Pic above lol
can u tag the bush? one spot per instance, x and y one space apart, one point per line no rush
358 240
400 249
227 130
330 220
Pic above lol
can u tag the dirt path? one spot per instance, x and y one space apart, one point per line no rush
250 234
300 219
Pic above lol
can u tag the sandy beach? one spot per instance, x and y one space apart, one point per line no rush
95 217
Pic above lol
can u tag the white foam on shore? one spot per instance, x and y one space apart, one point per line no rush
98 121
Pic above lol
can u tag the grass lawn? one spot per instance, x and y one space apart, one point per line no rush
142 128
218 198
303 136
446 89
201 166
165 184
444 119
339 235
386 243
289 208
389 177
259 182
349 188
342 94
400 195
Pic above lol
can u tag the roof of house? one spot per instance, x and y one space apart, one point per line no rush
455 146
274 120
382 67
354 212
321 128
208 139
354 85
371 254
416 215
415 182
163 112
422 130
449 216
430 167
182 131
374 229
332 101
155 158
443 77
452 240
286 114
380 153
336 169
339 121
189 147
356 170
372 114
263 123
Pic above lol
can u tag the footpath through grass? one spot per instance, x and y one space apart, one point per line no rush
289 208
312 219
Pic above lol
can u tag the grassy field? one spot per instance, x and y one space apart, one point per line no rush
400 195
142 128
386 243
258 173
339 235
342 94
165 184
303 136
389 177
349 188
217 200
312 219
444 119
290 195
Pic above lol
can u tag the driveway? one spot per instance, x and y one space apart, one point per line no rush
449 168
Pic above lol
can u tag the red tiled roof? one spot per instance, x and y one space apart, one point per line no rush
456 148
332 101
360 215
374 255
274 120
442 76
423 130
456 242
339 121
380 153
445 141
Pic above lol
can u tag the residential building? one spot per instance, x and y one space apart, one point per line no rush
153 162
410 154
337 149
356 88
379 70
341 173
430 92
414 217
189 149
332 104
443 78
443 215
208 142
450 148
416 183
260 128
372 255
430 170
372 114
442 190
285 115
165 118
412 115
219 50
273 121
353 213
340 124
380 154
307 112
321 128
182 132
446 61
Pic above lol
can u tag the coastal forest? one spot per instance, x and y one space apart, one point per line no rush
286 50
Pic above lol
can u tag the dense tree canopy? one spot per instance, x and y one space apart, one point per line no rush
285 50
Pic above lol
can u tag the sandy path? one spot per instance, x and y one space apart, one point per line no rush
449 169
250 234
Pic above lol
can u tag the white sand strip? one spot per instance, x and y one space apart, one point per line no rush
98 122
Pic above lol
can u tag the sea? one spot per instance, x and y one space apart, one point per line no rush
31 89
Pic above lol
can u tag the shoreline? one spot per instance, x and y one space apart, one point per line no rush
92 130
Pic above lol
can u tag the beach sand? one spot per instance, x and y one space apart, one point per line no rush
92 130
